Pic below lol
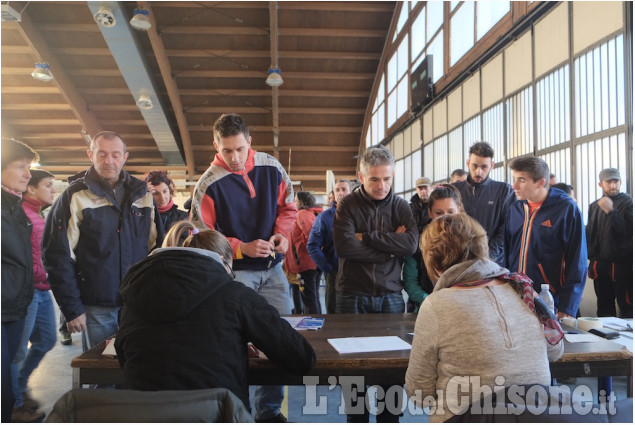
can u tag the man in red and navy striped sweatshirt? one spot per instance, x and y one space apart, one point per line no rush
248 197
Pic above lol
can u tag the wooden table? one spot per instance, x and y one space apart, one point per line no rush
385 368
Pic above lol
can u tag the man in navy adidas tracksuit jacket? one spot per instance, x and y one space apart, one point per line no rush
545 237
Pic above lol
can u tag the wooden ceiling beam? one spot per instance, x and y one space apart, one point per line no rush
36 107
286 148
338 6
303 54
68 27
18 50
30 90
173 92
284 110
331 32
201 73
54 135
38 44
287 129
317 168
44 121
265 92
284 32
318 177
145 168
292 5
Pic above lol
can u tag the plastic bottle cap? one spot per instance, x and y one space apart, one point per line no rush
544 286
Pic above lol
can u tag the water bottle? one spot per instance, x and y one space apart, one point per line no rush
545 295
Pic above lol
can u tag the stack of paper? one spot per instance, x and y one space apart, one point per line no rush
311 323
368 344
305 322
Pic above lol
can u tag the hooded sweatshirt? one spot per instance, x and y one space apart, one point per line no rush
185 325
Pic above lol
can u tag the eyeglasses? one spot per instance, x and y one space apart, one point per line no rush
231 271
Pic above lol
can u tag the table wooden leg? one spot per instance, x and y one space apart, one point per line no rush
76 378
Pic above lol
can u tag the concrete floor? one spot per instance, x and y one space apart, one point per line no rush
53 378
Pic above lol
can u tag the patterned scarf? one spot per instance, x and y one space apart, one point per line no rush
479 272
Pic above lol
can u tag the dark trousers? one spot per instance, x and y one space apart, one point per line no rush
311 293
613 281
360 304
297 298
11 336
330 297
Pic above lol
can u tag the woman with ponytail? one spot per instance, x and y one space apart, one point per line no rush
187 324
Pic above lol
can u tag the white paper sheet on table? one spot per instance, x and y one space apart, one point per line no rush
617 324
368 344
583 338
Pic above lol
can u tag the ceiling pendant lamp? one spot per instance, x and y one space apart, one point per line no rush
274 79
140 20
42 72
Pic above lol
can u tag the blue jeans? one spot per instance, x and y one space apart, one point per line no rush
101 324
39 328
273 285
362 304
11 334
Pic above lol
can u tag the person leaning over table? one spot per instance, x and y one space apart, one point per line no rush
444 200
480 320
186 323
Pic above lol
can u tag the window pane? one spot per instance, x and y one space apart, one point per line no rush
440 159
471 133
520 128
392 72
381 128
436 50
403 17
402 97
418 33
488 13
553 110
461 32
435 17
380 90
402 58
416 167
373 127
399 180
392 108
599 78
590 159
408 178
455 148
493 131
428 160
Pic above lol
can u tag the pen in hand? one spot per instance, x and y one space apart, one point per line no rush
273 257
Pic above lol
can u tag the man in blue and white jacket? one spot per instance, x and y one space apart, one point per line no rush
320 245
545 237
102 224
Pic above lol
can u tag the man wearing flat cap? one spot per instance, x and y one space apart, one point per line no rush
419 202
610 245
